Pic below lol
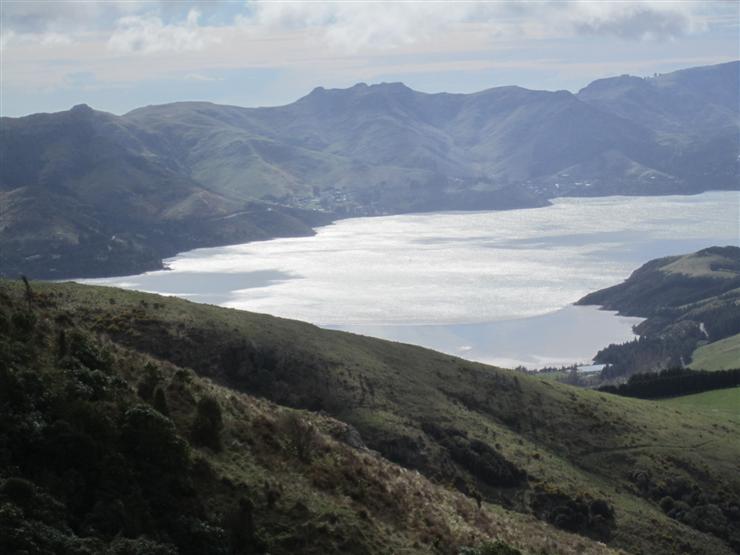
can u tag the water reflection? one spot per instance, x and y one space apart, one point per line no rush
569 335
491 286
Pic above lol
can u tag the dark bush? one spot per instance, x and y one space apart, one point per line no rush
239 525
12 392
160 402
23 324
19 491
589 517
667 503
601 508
404 450
495 548
139 546
197 537
151 440
674 382
300 435
82 348
570 516
149 382
484 462
208 423
707 518
680 510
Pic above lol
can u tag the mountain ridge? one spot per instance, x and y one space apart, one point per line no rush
365 150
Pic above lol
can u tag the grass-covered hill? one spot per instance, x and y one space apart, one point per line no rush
720 402
76 186
719 355
276 435
689 302
107 449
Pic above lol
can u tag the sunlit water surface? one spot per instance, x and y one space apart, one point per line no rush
490 286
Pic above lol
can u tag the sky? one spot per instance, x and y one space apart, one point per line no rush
118 55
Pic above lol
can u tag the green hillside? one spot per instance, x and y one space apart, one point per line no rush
720 355
721 402
582 461
104 449
688 301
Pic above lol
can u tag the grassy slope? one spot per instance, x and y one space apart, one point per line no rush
571 443
717 265
720 355
679 283
686 300
282 480
721 402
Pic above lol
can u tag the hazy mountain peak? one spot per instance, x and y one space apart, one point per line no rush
83 112
705 99
360 88
81 109
619 82
393 86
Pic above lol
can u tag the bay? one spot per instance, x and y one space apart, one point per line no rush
494 286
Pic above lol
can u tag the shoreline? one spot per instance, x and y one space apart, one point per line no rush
328 218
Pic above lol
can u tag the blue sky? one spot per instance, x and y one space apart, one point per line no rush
118 55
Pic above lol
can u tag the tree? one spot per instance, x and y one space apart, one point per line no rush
208 423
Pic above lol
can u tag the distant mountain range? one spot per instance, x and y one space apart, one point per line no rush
89 193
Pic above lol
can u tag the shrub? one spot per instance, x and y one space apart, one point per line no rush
151 439
601 508
160 402
4 325
483 461
19 491
149 382
88 353
300 435
239 525
491 548
208 423
707 518
23 324
590 517
680 510
667 503
198 537
11 389
139 546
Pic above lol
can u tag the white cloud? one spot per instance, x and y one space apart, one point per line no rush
148 34
8 36
638 20
355 26
38 16
55 39
201 77
57 23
